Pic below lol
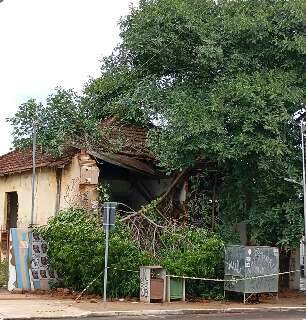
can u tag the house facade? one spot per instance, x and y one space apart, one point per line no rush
72 179
58 182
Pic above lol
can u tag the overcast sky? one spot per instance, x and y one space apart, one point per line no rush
46 43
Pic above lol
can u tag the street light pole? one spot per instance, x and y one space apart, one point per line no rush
304 186
33 173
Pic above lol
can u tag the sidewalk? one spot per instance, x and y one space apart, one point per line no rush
28 306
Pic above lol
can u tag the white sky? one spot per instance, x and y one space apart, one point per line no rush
45 43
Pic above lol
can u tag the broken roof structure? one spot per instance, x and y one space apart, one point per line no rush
121 144
118 160
124 145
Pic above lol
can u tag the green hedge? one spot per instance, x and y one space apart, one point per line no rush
76 252
194 252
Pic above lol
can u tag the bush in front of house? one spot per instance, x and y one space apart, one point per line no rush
76 243
194 252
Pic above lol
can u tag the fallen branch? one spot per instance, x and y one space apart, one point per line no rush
130 216
140 213
151 221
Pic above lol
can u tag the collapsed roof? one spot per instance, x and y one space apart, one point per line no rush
121 144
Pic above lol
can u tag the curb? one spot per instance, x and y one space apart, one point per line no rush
194 311
105 314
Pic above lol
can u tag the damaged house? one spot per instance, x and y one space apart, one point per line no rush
120 160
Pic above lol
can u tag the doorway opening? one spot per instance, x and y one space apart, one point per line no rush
11 222
11 210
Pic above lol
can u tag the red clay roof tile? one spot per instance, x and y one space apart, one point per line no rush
21 160
123 138
118 138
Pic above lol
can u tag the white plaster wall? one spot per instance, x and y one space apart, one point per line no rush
22 183
70 183
46 190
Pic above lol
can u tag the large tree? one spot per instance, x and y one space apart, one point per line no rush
221 81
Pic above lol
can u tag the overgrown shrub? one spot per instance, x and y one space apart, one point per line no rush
193 252
76 251
103 190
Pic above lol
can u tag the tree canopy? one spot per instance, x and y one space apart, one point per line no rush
220 80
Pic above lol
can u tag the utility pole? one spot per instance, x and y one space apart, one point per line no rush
304 186
33 173
299 117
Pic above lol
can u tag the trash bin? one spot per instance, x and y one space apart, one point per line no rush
152 284
175 289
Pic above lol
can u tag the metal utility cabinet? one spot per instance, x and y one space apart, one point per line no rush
152 284
251 267
175 289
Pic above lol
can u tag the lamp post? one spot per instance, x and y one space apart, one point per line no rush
33 172
299 116
304 185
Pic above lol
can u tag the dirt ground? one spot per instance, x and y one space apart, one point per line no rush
286 298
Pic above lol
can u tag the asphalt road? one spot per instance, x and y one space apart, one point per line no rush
286 315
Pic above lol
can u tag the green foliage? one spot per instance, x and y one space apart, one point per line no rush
228 234
221 79
271 206
193 252
61 122
4 272
201 200
151 211
103 192
76 251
